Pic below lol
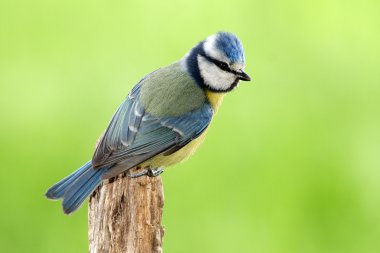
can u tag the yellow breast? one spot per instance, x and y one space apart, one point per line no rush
215 100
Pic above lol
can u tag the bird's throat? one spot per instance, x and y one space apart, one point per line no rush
215 99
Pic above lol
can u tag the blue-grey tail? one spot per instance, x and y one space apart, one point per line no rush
75 188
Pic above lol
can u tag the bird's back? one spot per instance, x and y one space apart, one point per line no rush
171 91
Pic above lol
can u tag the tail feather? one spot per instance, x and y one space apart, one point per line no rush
81 189
75 188
58 190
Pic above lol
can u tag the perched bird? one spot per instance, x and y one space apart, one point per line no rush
163 120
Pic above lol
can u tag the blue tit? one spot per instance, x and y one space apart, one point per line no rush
163 120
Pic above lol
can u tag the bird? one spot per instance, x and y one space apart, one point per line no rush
163 120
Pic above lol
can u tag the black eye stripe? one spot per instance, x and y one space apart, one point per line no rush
222 65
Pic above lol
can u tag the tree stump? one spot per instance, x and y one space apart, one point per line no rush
125 215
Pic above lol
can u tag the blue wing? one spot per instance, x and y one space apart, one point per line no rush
134 136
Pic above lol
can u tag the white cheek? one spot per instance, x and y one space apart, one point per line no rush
214 76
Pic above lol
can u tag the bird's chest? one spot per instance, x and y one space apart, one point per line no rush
215 99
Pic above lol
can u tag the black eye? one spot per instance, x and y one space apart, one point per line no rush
222 65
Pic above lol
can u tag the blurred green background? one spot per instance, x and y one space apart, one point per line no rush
291 163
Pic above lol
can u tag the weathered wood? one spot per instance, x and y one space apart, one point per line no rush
125 216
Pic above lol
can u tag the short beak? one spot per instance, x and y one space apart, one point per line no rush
244 76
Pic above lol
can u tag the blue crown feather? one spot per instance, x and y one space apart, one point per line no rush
230 45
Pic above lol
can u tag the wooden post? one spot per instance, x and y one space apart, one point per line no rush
125 215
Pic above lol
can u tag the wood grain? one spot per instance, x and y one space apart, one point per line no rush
125 216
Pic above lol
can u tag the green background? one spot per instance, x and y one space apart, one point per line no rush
291 162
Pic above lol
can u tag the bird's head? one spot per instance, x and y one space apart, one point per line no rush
217 63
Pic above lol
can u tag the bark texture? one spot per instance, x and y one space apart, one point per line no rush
125 216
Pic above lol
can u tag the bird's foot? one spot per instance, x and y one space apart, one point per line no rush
138 174
155 172
147 172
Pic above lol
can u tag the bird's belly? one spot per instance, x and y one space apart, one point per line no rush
178 156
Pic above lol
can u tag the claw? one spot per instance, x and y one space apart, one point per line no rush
147 172
155 172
